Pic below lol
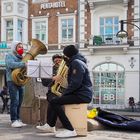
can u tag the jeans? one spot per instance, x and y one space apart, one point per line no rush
55 109
16 96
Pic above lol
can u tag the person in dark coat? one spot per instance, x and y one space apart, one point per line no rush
79 90
5 98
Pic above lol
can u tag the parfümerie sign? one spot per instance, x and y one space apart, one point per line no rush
49 5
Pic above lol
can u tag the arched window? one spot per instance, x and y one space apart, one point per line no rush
108 84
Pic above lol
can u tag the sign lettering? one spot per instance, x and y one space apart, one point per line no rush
50 5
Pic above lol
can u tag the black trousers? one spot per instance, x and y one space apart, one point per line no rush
5 104
55 109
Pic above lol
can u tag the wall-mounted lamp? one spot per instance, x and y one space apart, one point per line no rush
132 60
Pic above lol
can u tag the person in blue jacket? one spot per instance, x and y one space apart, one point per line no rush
79 90
13 61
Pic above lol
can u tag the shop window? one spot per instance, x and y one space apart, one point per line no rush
108 84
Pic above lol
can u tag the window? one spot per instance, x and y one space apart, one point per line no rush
40 30
108 84
9 30
67 30
20 30
109 27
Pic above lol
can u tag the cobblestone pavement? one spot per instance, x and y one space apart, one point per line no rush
30 133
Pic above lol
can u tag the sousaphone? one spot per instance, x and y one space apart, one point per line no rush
19 75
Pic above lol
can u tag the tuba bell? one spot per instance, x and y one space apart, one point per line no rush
19 75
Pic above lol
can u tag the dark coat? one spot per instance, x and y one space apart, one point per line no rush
79 82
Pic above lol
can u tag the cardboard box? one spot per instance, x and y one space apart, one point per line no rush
39 69
77 114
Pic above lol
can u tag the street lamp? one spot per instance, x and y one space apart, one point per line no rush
123 34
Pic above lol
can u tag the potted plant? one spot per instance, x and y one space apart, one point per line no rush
97 40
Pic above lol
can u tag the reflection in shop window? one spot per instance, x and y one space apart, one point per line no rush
9 30
108 84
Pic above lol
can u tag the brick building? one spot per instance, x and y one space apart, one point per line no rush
92 25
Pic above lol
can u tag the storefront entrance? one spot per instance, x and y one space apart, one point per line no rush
108 85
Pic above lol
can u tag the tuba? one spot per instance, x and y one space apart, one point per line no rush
59 87
19 75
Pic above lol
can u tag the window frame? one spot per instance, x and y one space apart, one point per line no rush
11 29
107 37
34 21
66 17
20 29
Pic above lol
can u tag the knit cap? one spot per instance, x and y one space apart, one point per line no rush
70 50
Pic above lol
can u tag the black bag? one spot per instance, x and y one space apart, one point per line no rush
116 121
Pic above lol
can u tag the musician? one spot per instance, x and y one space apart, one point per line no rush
79 90
13 61
48 82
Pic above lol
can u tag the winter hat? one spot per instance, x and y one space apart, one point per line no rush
70 50
14 45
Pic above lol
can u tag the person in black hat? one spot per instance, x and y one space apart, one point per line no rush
79 90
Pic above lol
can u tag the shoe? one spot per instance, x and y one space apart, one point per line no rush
16 124
46 128
23 124
66 134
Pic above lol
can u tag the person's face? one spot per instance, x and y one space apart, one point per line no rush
57 61
20 49
19 46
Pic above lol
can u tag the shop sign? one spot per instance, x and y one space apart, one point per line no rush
2 63
50 5
3 45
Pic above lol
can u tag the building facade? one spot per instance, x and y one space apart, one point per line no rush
92 25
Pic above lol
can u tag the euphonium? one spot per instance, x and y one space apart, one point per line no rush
59 87
19 75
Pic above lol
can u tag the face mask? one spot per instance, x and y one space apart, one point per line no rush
20 51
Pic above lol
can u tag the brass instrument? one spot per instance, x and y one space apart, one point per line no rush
59 87
19 75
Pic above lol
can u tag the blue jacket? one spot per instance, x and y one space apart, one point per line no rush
12 61
79 82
